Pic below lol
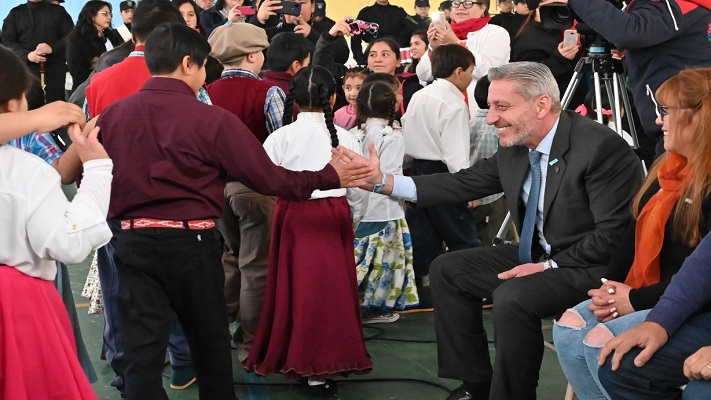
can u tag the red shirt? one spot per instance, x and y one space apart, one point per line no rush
172 153
116 82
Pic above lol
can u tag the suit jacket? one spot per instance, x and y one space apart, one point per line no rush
587 195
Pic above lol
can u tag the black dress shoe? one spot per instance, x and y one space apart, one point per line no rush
460 394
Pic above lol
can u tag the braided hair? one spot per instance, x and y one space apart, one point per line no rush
312 88
377 99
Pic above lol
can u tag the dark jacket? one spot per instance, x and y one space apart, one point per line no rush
84 50
540 45
30 24
673 253
587 194
656 49
394 23
509 21
211 19
340 47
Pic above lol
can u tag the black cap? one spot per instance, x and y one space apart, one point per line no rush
422 3
445 5
320 8
127 5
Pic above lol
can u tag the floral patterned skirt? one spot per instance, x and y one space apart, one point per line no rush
384 268
92 289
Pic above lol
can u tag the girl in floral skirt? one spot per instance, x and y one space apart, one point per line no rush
383 248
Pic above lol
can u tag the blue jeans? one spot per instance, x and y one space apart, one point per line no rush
578 359
661 377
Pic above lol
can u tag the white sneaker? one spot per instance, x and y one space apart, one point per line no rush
379 317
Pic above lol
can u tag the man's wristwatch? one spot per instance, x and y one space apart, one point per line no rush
547 264
379 186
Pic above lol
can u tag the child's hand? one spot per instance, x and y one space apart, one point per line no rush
57 114
87 143
353 169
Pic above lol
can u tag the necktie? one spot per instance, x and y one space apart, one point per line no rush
529 219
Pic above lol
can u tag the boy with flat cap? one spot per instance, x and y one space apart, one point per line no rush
247 216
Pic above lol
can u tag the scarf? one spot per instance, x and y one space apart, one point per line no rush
649 233
462 29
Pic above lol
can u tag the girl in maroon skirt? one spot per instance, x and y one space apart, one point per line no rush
38 355
310 322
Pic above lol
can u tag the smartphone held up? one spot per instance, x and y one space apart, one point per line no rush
439 20
290 8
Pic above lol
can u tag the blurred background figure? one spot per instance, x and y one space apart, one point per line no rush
126 8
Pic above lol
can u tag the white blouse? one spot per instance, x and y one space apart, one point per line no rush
390 147
38 224
305 145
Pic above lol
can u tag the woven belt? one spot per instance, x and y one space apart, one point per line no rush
139 223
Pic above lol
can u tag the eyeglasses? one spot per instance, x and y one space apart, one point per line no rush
663 111
105 13
466 4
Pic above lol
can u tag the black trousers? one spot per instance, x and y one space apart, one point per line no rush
159 270
431 228
461 279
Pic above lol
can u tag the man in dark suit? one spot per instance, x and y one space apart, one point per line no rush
585 176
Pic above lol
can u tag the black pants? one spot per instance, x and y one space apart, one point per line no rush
163 269
461 279
431 228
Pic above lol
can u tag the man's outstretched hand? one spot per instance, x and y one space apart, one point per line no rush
355 170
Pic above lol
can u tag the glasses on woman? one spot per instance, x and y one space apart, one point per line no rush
466 4
663 111
105 13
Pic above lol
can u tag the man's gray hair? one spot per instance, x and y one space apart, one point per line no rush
534 79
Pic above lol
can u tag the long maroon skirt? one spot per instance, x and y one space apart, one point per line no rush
38 355
310 321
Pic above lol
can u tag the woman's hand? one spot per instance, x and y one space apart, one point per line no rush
57 114
698 365
87 144
610 301
439 36
340 28
568 52
267 9
235 15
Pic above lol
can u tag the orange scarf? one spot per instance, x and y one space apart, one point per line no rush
649 233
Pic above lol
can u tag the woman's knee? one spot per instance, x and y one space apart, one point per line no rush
598 336
571 319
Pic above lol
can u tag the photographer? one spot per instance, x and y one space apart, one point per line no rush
661 38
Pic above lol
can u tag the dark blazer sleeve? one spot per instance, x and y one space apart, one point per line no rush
596 179
64 28
11 34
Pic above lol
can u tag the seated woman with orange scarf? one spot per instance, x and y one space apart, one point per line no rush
672 212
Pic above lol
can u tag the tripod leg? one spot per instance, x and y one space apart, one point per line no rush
628 110
573 85
598 97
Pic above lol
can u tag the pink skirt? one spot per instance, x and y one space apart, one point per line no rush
310 321
38 355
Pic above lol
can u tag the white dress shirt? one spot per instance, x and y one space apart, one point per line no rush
436 126
38 224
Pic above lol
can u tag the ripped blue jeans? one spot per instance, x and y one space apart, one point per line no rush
578 359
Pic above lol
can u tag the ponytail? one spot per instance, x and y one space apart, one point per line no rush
328 113
288 117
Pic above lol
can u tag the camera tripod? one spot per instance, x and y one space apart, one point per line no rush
608 71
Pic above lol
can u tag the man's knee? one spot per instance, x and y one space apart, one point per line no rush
571 319
598 336
438 269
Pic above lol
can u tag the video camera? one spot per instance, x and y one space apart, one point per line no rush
560 16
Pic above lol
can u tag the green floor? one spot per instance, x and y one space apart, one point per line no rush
398 366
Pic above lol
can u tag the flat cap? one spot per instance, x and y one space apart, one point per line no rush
231 43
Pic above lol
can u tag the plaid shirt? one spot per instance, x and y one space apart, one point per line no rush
40 144
274 102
